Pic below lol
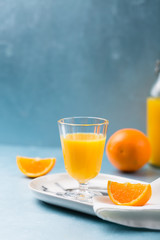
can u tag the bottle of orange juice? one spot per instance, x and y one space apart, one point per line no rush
153 120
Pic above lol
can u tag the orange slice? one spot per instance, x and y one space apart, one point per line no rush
129 194
35 167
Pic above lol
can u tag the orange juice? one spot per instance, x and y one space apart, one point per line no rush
153 128
83 154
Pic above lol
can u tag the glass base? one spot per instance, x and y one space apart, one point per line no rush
83 196
82 193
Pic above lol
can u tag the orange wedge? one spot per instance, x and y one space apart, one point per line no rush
129 194
35 167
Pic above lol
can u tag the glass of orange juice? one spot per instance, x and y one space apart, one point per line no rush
83 141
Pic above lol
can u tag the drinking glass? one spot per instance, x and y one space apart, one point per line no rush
83 141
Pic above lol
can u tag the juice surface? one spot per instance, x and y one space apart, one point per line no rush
153 128
83 154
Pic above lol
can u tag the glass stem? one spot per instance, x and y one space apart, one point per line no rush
83 187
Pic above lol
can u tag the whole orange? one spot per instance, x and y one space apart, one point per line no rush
128 149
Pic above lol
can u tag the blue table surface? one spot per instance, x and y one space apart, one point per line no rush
24 217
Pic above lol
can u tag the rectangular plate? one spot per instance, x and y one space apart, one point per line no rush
50 189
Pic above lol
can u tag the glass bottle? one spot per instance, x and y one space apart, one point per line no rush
153 119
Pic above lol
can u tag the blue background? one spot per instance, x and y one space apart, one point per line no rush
63 58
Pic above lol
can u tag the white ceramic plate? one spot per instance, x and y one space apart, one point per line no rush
49 189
